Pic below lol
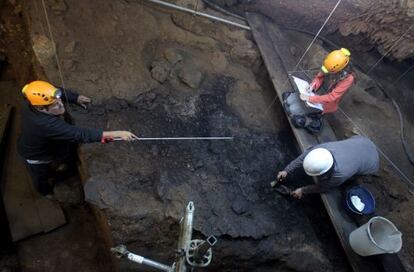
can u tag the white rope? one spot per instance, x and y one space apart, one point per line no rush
304 54
56 55
389 50
317 34
403 74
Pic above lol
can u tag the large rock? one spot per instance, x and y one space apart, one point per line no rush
160 70
172 55
190 77
246 54
44 49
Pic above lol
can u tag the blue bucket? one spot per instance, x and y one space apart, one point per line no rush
366 197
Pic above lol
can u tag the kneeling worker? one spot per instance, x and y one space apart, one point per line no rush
45 132
336 77
334 163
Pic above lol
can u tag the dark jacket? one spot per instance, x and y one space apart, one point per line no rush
42 135
354 156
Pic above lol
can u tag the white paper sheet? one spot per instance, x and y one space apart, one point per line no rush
302 87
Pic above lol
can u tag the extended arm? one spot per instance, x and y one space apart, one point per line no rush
58 129
296 163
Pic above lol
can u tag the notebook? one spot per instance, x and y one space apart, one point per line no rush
302 86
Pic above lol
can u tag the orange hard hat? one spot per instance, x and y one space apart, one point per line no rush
336 61
41 93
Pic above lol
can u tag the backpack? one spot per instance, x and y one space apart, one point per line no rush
311 121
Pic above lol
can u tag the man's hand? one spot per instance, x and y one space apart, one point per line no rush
83 101
304 97
298 193
126 136
281 176
120 135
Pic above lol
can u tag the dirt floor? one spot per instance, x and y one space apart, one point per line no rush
161 73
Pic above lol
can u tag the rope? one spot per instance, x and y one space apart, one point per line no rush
223 10
403 74
317 34
56 55
379 150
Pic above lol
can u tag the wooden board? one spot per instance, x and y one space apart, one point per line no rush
5 112
5 236
273 46
28 213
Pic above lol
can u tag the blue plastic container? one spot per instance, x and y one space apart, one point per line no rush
366 197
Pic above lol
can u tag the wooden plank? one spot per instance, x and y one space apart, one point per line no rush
5 113
273 47
276 72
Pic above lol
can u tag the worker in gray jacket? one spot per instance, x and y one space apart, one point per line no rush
334 163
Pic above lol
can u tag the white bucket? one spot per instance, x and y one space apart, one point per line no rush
377 236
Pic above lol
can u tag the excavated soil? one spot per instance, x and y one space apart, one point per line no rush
145 185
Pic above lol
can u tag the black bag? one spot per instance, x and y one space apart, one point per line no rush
311 121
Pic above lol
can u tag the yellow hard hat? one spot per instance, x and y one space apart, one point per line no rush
336 61
41 93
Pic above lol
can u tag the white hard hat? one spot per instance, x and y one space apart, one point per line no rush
318 162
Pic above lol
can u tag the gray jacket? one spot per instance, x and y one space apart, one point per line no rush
354 156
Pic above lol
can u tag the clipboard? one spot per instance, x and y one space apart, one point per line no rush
301 86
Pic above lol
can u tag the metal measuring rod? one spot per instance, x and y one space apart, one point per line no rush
178 138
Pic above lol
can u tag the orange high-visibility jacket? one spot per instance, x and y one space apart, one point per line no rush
331 100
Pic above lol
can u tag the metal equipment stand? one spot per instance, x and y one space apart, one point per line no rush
191 253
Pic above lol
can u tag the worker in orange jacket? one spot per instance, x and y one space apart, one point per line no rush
337 78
